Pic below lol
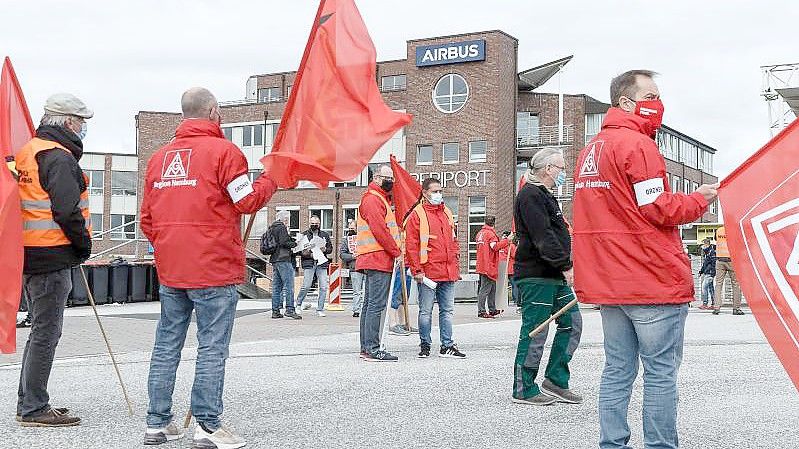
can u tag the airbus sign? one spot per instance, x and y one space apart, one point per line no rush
451 53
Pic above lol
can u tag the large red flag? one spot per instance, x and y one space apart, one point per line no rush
16 129
407 191
335 119
760 200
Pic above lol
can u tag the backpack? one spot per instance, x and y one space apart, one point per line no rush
269 242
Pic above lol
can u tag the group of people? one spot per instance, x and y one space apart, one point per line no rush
716 266
624 254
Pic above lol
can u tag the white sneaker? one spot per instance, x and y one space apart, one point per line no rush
223 438
320 313
298 310
171 432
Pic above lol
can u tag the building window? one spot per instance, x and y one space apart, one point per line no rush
450 153
128 232
478 150
451 93
228 132
712 208
707 162
97 224
675 183
350 213
123 183
686 186
452 204
294 220
271 133
527 129
477 216
593 124
424 155
392 82
247 136
325 215
694 186
268 94
259 226
96 178
288 90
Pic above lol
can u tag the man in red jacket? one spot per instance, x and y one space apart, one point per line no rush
432 252
628 258
378 245
196 189
488 247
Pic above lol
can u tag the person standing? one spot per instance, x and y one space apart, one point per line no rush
724 269
56 234
349 254
509 254
378 243
282 260
195 191
628 257
707 274
432 253
488 247
544 275
313 268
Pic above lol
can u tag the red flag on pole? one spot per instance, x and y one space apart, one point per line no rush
335 119
407 191
16 129
760 201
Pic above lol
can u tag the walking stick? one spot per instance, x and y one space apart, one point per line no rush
554 316
246 237
105 337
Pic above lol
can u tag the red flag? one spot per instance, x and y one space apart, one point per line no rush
16 129
407 191
335 119
760 200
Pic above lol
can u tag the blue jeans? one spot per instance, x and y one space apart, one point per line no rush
356 279
444 294
307 281
282 286
215 309
396 298
374 307
654 334
708 289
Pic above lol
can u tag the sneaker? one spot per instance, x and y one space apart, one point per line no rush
363 354
539 399
451 353
484 315
716 311
49 417
223 438
381 356
276 314
356 314
424 351
61 410
306 306
171 432
25 322
561 394
293 315
320 313
398 330
495 312
411 329
738 312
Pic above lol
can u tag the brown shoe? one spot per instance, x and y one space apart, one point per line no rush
50 417
61 410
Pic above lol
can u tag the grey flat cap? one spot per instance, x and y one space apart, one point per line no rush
67 104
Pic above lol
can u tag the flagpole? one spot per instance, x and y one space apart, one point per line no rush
384 321
554 316
105 337
405 295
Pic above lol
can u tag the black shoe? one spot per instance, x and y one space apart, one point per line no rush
26 322
293 315
277 314
738 312
424 351
381 356
716 311
356 314
451 352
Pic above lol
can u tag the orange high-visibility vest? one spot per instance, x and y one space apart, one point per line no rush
38 226
365 241
424 230
721 243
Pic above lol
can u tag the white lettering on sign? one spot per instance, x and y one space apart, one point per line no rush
450 53
461 178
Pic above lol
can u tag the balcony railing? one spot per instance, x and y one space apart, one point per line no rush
543 136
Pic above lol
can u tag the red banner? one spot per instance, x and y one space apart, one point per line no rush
16 129
407 191
760 201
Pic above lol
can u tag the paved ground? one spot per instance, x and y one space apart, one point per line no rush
300 384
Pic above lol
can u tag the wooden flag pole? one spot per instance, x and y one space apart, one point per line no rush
105 337
554 316
405 295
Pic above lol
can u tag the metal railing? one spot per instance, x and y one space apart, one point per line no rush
544 135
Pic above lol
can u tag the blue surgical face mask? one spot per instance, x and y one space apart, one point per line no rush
561 179
436 198
83 129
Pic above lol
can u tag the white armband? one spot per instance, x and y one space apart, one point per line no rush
239 188
647 192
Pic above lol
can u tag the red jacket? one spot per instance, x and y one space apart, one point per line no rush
195 190
508 254
373 211
488 246
626 247
442 259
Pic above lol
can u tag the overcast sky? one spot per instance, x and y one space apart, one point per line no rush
142 55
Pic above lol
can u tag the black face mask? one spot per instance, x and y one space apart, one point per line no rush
314 228
387 185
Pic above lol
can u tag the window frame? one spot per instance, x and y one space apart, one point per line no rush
418 149
451 95
444 160
485 151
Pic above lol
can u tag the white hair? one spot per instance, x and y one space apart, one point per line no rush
283 215
540 160
49 119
